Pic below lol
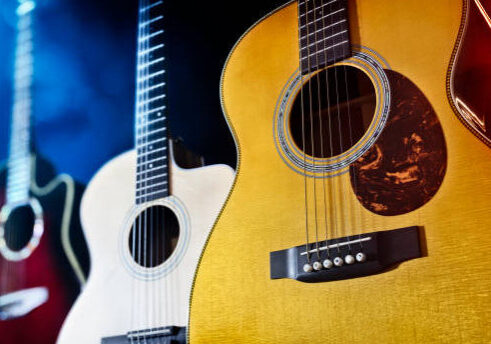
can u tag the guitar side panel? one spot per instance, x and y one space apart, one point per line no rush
114 301
441 298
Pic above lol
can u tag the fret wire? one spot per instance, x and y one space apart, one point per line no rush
151 142
150 186
148 22
324 28
323 17
144 9
153 193
326 4
323 39
143 103
152 169
150 63
149 50
151 178
152 161
150 36
152 111
150 76
321 51
146 124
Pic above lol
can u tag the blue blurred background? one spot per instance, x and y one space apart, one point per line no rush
84 76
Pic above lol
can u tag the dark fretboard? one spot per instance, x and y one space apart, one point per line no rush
151 137
324 33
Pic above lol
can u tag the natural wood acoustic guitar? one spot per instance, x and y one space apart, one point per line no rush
360 209
146 219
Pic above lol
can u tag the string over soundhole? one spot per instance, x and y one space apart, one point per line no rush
338 107
154 236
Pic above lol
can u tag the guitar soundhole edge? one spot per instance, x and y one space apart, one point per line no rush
153 236
338 107
19 227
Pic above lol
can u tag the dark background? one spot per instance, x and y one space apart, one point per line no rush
84 76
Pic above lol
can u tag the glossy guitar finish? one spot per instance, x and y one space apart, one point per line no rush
48 266
442 297
469 84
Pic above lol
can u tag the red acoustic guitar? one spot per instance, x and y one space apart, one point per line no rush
37 223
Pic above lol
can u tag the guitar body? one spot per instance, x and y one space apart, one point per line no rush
470 73
116 299
442 297
47 267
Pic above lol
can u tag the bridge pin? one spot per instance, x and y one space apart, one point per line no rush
349 259
338 261
307 268
361 257
317 266
327 263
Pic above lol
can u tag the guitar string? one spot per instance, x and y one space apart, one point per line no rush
324 177
141 99
347 216
139 175
338 179
319 111
357 225
311 117
307 243
137 136
331 179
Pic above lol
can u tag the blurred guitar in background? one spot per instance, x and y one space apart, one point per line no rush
41 272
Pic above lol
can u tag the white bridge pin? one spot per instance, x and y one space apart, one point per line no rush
338 261
317 266
361 257
327 263
307 268
349 259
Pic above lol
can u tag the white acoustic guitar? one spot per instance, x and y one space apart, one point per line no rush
146 221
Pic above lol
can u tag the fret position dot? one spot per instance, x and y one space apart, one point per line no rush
150 165
159 114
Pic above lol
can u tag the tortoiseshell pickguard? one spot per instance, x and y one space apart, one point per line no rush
405 167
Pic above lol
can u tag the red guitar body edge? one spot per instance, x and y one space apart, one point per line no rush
469 77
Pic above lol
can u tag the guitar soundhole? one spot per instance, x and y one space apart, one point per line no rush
19 227
338 107
154 236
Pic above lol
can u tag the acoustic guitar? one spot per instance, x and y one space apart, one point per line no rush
360 210
146 220
43 258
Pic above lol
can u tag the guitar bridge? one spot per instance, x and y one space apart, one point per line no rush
158 335
347 257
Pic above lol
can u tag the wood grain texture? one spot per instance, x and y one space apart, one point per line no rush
441 298
114 300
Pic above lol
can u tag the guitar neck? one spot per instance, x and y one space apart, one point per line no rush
323 33
151 137
19 162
